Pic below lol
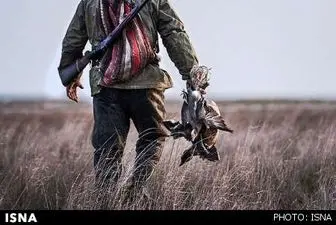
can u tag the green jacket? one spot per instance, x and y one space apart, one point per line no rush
160 19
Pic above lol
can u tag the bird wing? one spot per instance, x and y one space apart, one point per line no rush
213 120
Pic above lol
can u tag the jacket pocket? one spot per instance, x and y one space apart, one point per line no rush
95 75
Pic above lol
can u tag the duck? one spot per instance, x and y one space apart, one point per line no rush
201 122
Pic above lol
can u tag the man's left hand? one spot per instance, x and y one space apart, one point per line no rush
71 90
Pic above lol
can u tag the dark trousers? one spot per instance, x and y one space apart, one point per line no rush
113 111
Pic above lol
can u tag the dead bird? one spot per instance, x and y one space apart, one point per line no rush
200 123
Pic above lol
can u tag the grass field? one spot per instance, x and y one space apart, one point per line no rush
281 156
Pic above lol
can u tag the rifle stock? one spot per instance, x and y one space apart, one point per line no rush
71 72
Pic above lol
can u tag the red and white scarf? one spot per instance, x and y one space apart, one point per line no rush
132 52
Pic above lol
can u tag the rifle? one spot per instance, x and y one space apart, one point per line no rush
71 72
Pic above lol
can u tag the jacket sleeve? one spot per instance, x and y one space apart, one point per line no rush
175 39
75 38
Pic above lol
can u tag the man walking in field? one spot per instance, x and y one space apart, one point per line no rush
127 83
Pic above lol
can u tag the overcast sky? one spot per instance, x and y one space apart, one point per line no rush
256 48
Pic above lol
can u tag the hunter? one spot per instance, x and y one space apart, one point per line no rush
127 83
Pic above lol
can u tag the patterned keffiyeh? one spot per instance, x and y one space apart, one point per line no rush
132 51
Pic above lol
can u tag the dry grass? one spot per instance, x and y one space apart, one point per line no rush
281 156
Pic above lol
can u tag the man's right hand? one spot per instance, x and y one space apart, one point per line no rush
198 79
71 90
